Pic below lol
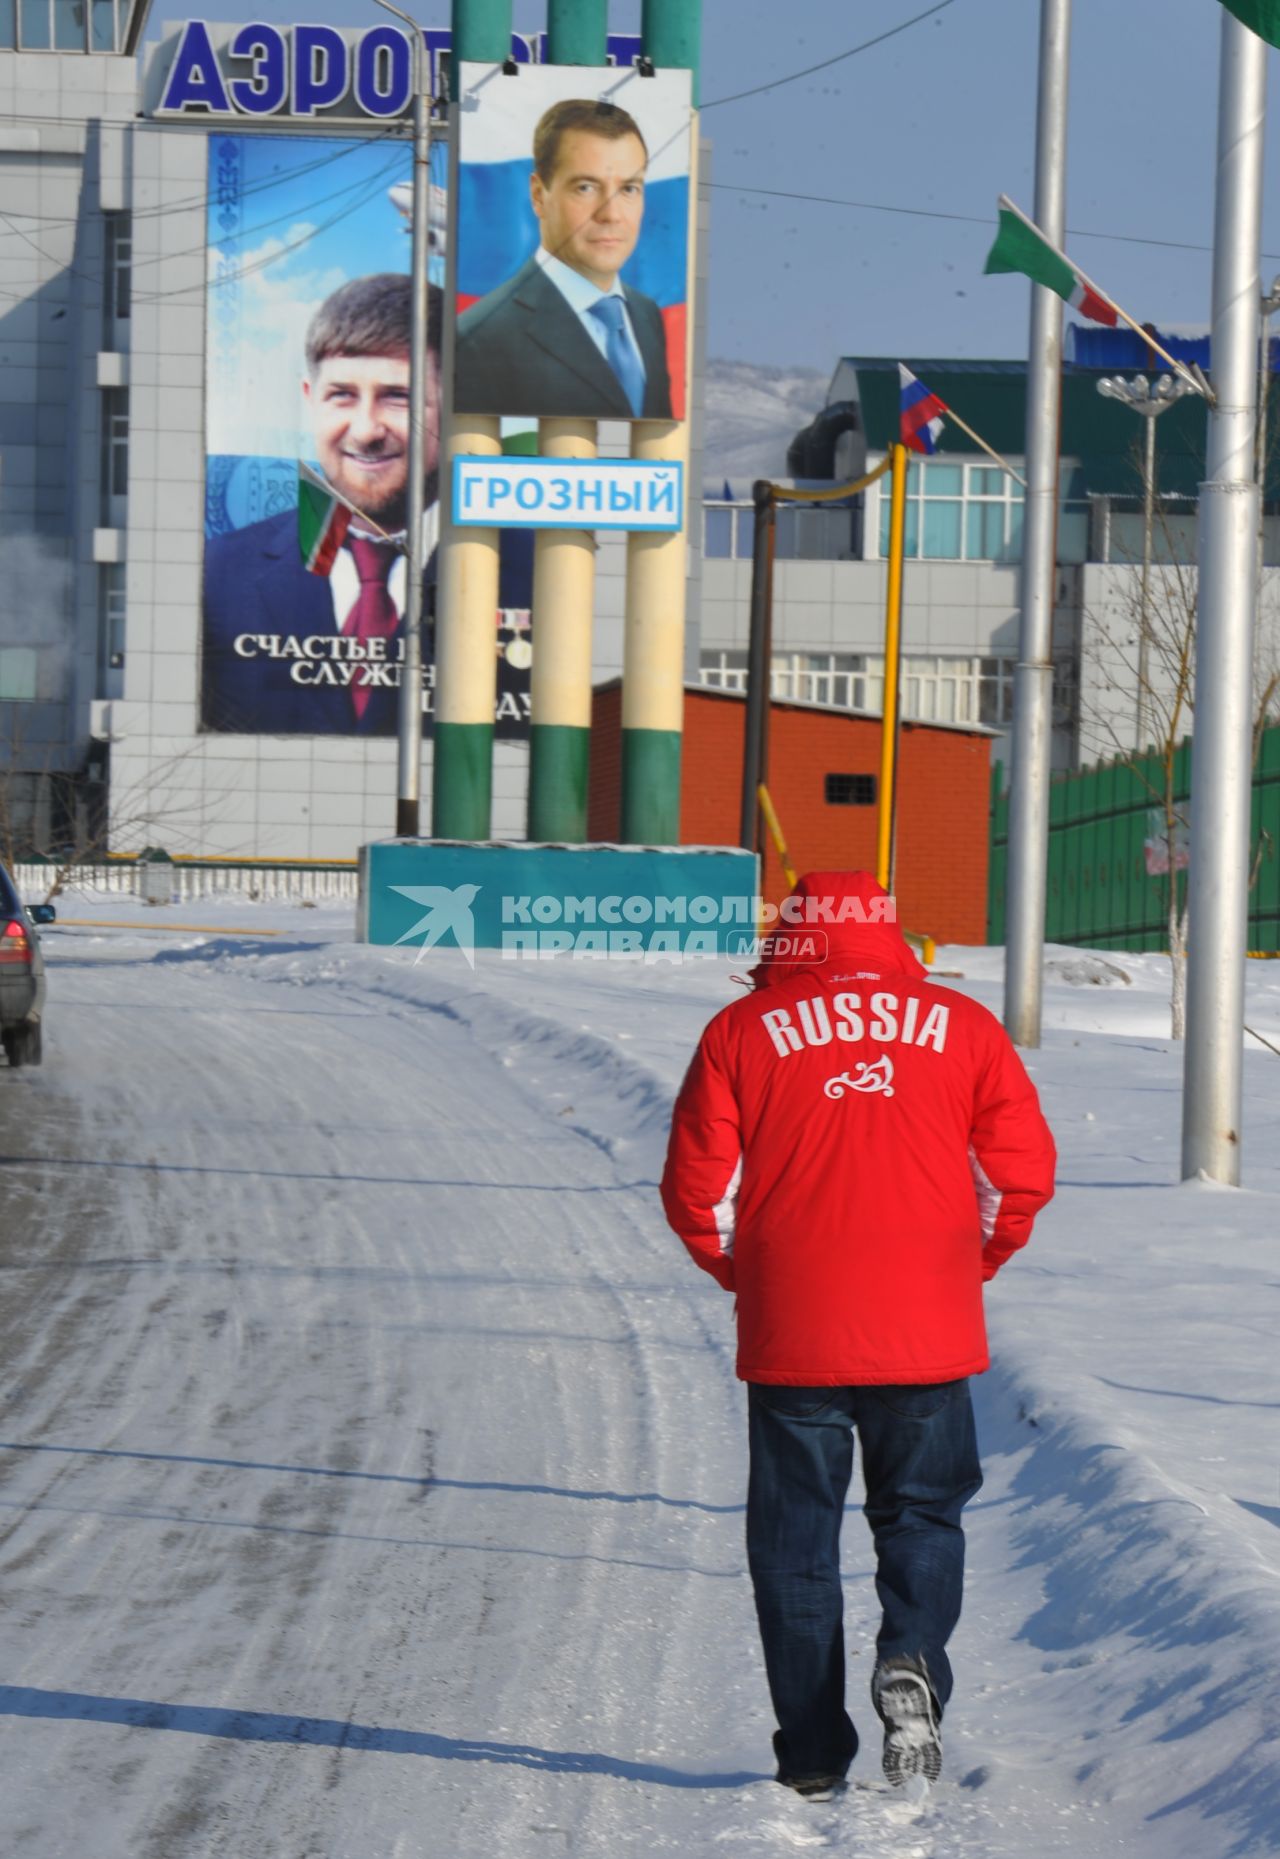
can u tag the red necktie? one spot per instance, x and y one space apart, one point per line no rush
374 615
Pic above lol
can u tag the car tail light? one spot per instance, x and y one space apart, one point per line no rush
14 946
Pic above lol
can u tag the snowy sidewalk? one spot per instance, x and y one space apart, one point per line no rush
374 1460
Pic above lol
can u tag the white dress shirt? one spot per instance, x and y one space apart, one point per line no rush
344 582
580 293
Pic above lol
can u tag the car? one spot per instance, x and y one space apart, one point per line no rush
22 989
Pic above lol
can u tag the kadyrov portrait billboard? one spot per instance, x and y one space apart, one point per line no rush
308 333
573 236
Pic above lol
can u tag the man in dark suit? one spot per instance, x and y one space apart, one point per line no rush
289 652
565 337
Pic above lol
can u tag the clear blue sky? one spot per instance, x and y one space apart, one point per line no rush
940 118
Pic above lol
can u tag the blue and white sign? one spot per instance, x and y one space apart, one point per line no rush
569 493
301 72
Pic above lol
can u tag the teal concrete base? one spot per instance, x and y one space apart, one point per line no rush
544 901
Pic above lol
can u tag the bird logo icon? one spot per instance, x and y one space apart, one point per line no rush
446 909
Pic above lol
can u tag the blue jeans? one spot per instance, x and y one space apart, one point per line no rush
920 1466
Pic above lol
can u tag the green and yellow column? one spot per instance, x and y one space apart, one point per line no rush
466 639
564 562
653 640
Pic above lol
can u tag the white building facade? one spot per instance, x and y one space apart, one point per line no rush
962 585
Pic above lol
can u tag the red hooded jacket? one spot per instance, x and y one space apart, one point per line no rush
853 1151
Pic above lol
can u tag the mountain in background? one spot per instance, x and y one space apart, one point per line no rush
752 415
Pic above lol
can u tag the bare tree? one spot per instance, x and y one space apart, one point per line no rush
158 808
1165 700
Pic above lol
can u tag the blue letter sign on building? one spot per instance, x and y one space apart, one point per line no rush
305 70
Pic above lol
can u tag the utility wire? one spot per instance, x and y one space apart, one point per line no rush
230 277
964 219
261 264
395 165
826 63
350 146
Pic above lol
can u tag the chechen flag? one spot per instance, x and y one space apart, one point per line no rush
323 519
1261 16
920 414
1021 246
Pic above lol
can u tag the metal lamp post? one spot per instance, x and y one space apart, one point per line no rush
409 756
1270 304
1150 401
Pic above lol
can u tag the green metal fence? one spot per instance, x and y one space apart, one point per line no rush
1106 846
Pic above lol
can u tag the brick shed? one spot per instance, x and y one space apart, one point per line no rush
824 767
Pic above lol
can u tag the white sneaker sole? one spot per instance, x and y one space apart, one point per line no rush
912 1743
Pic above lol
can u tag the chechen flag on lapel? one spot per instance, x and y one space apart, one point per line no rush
920 414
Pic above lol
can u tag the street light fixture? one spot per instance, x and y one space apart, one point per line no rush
1150 400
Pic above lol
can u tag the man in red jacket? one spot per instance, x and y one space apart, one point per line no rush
854 1152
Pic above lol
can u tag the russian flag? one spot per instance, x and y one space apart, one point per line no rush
919 414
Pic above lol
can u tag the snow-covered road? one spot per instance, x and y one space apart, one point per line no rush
373 1460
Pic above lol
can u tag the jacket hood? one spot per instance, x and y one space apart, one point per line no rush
831 920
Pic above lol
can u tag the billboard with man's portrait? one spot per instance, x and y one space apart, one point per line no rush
573 238
308 311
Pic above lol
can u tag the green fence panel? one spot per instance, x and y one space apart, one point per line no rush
1100 891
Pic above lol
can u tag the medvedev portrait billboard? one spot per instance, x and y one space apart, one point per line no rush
573 233
308 310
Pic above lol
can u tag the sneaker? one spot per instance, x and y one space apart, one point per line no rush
810 1787
814 1787
905 1704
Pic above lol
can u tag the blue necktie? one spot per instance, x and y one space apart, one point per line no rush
619 353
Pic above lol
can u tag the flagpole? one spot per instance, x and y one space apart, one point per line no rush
892 665
1177 366
990 450
409 750
1218 873
1031 758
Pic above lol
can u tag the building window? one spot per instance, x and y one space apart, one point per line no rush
59 25
68 25
958 512
717 532
834 678
19 674
117 270
36 23
723 671
973 513
800 535
822 535
995 692
849 790
940 689
728 531
111 616
104 36
115 445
